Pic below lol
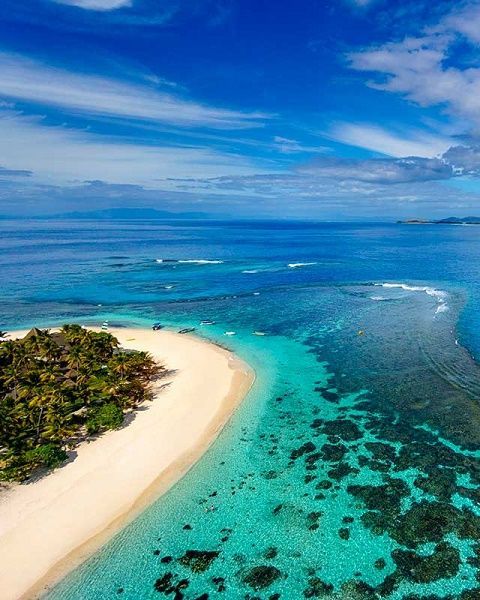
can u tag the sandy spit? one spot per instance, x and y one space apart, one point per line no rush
50 526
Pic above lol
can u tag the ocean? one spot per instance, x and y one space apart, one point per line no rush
352 469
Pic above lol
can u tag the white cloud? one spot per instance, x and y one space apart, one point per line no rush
289 146
420 67
372 137
60 155
465 21
31 81
101 5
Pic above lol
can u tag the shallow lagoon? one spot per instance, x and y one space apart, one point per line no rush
352 469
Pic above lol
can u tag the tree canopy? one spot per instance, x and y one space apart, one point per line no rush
57 388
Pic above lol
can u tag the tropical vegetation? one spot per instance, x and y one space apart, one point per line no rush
58 388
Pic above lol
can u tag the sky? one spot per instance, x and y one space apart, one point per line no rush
336 110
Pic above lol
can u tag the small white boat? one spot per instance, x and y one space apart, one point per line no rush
105 326
259 333
230 333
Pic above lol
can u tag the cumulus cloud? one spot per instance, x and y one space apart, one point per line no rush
465 160
32 81
304 194
382 171
418 67
465 20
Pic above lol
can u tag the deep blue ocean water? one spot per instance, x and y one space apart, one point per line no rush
352 469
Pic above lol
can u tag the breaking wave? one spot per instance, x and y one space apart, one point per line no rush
300 264
440 295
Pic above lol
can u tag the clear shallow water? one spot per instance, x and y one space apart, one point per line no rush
352 469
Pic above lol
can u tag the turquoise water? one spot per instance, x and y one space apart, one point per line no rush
352 468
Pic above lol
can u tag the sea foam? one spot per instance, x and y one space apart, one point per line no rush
300 264
193 261
439 295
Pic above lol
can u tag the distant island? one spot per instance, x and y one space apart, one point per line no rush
447 221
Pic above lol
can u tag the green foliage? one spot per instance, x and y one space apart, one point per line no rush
55 387
49 455
18 467
108 416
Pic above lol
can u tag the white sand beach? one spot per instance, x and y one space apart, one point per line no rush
50 526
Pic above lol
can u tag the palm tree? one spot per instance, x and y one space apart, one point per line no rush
51 385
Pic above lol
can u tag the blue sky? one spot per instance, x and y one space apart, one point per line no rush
335 110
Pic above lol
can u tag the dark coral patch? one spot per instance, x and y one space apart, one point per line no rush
381 451
313 519
443 563
333 452
343 469
270 553
431 521
261 577
385 498
325 484
317 588
439 482
198 561
167 585
473 594
343 428
303 449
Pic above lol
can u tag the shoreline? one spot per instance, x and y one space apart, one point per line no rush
116 476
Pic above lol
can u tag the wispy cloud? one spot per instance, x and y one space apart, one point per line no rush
288 146
100 5
4 172
64 155
34 82
373 137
